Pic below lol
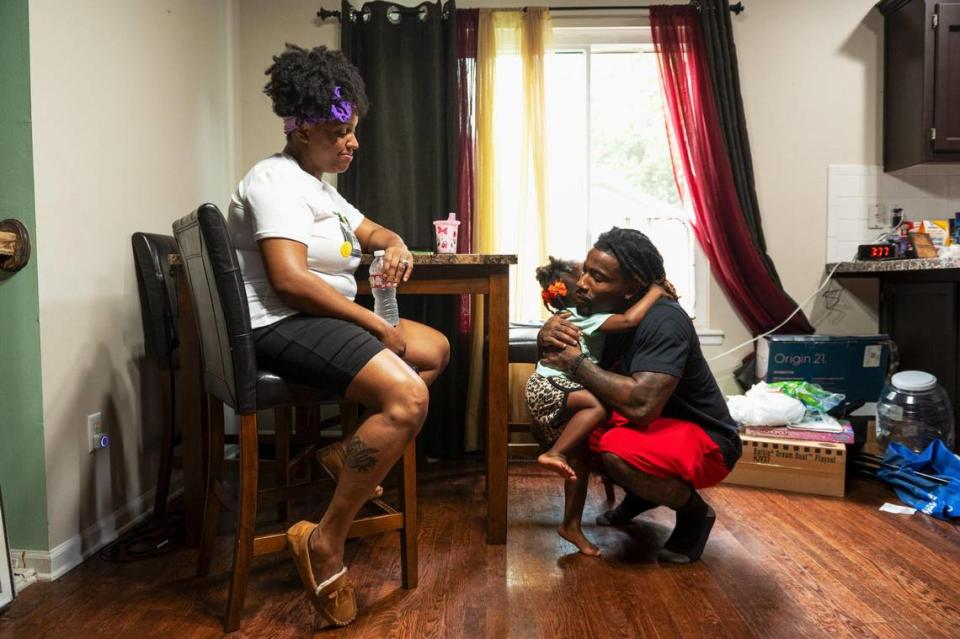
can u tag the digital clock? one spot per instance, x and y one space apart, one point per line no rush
871 252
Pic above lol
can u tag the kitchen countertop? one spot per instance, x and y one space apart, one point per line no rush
895 266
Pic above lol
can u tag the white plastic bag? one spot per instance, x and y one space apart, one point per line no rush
763 406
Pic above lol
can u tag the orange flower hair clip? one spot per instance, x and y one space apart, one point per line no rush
557 290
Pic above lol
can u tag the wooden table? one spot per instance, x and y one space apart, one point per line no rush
435 274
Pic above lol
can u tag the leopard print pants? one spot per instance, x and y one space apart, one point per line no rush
546 400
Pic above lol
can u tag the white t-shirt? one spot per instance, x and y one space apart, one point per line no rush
279 199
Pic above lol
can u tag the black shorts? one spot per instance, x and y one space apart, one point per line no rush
323 352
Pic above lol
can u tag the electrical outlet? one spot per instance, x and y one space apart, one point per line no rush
877 216
96 438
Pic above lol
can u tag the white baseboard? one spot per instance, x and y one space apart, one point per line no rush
53 564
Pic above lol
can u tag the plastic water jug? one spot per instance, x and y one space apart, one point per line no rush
914 410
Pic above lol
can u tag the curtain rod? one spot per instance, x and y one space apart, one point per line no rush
736 9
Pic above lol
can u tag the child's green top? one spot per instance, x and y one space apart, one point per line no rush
591 339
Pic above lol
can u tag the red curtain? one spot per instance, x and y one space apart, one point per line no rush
466 83
703 173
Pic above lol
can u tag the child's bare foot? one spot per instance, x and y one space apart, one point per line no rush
558 464
576 537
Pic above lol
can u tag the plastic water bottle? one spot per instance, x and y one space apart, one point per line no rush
384 295
914 410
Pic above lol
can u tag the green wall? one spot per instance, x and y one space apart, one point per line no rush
22 467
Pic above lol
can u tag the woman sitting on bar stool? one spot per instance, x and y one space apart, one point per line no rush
299 243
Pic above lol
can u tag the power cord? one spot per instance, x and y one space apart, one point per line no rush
800 306
832 297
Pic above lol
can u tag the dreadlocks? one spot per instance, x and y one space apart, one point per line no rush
637 256
302 82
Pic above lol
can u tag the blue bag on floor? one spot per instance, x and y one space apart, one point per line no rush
931 497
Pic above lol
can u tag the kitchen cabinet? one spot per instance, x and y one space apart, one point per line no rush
920 311
921 95
922 318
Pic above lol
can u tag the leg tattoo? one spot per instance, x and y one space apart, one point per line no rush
361 457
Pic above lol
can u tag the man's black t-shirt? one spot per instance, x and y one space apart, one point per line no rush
666 342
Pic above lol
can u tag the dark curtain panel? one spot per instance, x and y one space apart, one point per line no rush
886 7
721 53
405 172
466 98
700 154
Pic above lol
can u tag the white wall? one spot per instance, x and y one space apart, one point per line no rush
858 195
132 125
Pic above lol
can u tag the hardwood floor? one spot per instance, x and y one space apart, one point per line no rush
777 565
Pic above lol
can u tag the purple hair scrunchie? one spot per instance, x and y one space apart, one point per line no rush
341 110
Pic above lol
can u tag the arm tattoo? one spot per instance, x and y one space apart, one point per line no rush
361 457
639 397
603 383
652 390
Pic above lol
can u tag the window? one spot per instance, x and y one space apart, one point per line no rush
609 155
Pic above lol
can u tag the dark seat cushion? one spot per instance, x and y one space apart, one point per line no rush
274 392
523 343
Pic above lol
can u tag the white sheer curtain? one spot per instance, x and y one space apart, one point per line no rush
511 174
519 184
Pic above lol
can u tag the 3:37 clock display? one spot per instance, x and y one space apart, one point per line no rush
884 251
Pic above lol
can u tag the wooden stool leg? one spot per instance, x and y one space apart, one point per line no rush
408 534
215 465
281 421
166 448
243 549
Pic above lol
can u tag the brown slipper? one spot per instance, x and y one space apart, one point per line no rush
335 601
331 459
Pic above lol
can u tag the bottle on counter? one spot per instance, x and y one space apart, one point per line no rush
896 217
906 246
384 294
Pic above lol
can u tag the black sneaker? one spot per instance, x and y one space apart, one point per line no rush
689 536
623 514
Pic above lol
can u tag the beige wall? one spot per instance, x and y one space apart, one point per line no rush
132 128
264 28
811 78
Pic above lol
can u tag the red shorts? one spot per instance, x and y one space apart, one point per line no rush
666 448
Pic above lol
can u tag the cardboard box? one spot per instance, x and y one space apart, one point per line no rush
870 445
818 468
855 366
938 230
